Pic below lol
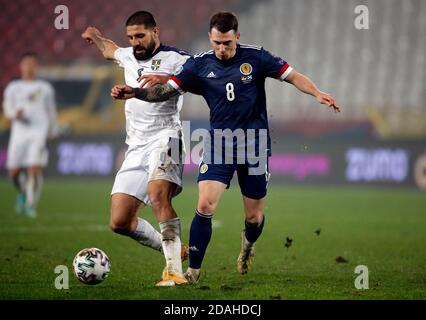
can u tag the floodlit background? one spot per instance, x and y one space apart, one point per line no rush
376 74
366 164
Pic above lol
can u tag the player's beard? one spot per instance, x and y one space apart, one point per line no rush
146 52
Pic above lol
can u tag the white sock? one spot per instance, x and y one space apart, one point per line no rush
38 188
33 189
170 232
146 235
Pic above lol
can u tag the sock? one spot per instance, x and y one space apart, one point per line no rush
170 232
146 235
33 189
253 230
29 190
19 181
199 238
38 187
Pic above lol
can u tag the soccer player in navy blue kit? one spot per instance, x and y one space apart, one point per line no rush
231 78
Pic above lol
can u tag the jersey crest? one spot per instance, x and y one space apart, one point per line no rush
155 64
246 69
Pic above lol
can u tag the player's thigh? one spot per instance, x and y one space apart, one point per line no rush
124 210
165 166
17 153
161 191
253 183
132 178
34 170
209 194
37 154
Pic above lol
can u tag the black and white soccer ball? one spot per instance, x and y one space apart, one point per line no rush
91 266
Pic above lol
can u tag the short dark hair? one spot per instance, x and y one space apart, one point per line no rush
224 22
29 54
142 17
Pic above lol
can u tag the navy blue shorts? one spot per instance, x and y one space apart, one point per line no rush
252 186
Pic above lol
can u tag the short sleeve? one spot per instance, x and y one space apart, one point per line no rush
274 66
8 104
119 56
184 78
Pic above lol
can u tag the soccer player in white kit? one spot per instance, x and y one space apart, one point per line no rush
152 169
30 104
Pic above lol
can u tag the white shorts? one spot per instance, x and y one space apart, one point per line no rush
152 161
27 153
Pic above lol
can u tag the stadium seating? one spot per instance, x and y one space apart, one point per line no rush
377 75
381 69
29 26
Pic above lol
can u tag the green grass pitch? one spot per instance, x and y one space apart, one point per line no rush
383 229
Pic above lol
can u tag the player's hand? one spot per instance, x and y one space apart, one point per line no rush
90 33
325 98
122 92
150 80
19 114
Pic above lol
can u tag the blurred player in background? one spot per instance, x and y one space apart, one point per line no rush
150 173
231 78
30 104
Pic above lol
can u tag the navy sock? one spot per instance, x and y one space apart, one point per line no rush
253 230
199 238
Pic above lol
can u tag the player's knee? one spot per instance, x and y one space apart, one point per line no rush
206 206
159 200
254 215
120 226
14 173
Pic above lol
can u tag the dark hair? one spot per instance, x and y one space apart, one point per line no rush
224 22
142 17
29 55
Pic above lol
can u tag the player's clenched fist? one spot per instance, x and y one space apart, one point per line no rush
122 91
90 33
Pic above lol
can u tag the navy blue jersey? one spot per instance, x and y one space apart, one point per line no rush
234 89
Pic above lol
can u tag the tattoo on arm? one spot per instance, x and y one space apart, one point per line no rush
158 93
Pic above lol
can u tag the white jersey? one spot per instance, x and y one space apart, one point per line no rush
146 119
37 101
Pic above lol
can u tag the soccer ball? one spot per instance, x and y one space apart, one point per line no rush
91 266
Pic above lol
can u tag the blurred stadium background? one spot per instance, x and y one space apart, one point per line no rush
360 175
377 76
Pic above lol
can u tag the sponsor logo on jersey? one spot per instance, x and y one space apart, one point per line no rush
247 79
211 75
246 69
155 64
203 168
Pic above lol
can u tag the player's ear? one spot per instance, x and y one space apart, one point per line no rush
238 36
156 31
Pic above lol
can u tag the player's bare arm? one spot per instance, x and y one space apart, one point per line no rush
158 93
106 47
151 80
306 85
